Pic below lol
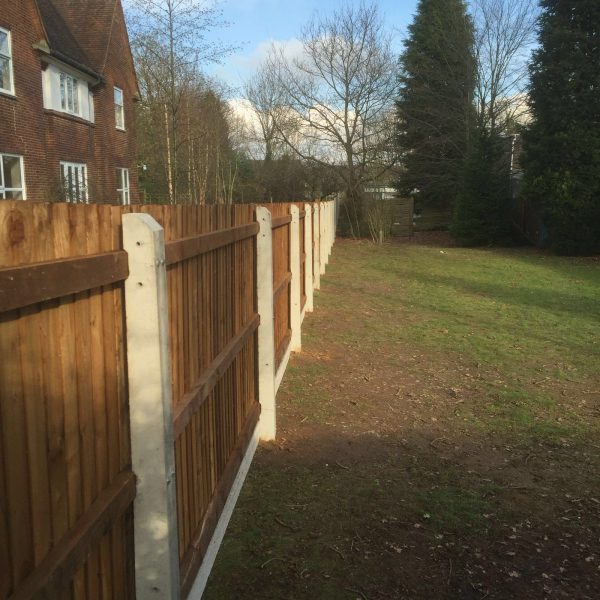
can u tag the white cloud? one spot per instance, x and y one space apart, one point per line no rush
240 67
291 48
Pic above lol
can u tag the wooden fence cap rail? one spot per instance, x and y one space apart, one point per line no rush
195 245
281 221
282 285
29 284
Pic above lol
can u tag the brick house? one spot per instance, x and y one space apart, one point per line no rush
67 88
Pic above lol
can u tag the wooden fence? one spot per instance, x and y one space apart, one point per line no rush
139 358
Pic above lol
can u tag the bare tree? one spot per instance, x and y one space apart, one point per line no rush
505 34
264 96
334 101
170 45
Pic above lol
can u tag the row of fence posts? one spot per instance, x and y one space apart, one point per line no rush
151 410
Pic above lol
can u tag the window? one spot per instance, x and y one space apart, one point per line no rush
74 181
123 186
6 68
119 109
11 177
69 94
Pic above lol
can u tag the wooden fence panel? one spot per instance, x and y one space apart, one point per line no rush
63 408
212 300
66 486
300 206
281 279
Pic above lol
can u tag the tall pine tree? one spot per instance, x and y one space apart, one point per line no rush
562 146
435 105
482 214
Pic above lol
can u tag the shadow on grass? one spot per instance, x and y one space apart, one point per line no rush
367 516
584 307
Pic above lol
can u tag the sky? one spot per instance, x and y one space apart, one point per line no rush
255 24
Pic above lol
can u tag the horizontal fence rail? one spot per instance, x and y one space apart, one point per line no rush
141 348
30 284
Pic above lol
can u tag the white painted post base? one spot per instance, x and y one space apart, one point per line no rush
282 367
217 538
150 405
266 329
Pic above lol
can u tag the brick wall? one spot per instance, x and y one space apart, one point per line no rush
44 138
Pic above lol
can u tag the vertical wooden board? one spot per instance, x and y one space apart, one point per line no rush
120 458
62 216
14 452
208 453
33 326
94 215
59 496
179 497
196 371
111 315
180 306
201 462
5 546
121 358
190 296
82 351
103 353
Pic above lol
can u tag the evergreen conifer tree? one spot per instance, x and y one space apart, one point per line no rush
483 207
435 105
562 146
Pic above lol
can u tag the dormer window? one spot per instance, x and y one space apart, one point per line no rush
69 94
67 91
6 67
119 109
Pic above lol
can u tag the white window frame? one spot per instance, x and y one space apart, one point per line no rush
74 107
123 186
10 91
81 195
3 189
119 109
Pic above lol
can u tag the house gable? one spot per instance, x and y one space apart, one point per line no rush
46 123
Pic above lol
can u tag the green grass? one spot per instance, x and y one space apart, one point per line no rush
500 307
501 349
533 319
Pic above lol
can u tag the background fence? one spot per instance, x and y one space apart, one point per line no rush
68 376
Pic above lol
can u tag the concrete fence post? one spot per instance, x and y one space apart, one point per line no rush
316 247
296 284
331 226
150 405
266 329
308 265
323 231
327 232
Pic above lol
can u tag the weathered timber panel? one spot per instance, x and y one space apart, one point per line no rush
281 280
402 210
64 436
